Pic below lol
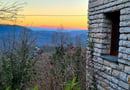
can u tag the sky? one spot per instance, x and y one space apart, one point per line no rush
53 13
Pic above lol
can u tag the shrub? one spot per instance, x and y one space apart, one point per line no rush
17 60
71 85
35 88
67 63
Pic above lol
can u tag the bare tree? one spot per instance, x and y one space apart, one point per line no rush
78 42
61 38
10 11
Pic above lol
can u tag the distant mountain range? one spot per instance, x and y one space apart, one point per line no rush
48 36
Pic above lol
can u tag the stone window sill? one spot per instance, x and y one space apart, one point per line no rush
110 58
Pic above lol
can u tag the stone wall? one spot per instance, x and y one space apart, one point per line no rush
109 75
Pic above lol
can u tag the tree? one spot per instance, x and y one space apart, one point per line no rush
10 11
17 60
61 38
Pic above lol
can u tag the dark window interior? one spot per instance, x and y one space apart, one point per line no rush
114 17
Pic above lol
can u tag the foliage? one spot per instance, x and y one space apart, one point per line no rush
35 88
17 61
59 53
66 63
71 85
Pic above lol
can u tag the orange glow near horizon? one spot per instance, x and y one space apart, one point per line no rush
50 13
52 21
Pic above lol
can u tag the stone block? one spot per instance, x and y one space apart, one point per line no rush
125 24
122 61
115 73
113 65
123 76
127 69
113 85
123 36
125 17
125 30
124 85
115 80
120 43
120 55
121 67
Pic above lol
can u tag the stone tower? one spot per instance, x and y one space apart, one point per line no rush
109 33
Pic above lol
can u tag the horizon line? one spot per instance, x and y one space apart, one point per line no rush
59 27
46 26
52 15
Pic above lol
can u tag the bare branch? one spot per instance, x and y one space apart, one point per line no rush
10 11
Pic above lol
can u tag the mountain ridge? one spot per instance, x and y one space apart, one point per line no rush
45 35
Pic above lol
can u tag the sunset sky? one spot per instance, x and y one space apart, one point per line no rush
53 13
